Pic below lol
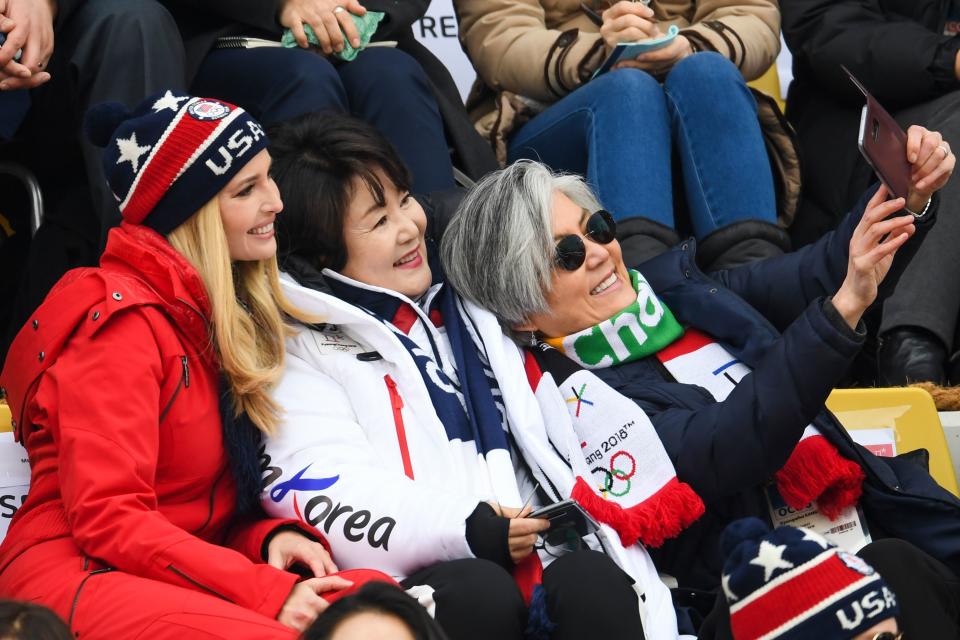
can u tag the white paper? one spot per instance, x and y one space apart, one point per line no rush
849 531
14 464
880 442
14 479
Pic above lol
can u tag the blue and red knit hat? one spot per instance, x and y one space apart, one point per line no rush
793 584
171 154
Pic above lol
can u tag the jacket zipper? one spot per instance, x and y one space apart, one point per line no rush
184 382
396 404
83 583
195 583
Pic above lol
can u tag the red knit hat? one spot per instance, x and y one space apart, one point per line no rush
793 584
172 154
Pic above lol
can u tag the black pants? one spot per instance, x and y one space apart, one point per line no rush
382 86
927 591
587 596
933 303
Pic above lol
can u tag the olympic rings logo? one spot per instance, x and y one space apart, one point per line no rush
616 473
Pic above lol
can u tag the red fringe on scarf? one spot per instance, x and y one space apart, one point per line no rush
816 471
661 516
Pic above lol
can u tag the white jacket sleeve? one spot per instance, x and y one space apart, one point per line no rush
322 469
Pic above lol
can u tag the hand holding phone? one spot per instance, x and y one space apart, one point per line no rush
568 514
522 532
883 144
912 165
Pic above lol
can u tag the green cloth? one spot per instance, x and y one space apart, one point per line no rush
366 26
642 329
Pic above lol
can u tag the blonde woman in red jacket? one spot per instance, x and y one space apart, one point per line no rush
140 388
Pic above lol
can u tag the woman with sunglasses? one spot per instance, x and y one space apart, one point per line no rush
393 440
733 368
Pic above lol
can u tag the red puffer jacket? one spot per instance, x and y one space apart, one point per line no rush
113 388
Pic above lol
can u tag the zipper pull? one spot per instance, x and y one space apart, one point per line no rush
186 371
396 401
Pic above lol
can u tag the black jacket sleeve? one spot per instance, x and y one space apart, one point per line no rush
723 448
781 288
900 60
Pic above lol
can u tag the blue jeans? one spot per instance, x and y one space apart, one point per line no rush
384 87
619 130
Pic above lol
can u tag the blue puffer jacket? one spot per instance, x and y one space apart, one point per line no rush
775 317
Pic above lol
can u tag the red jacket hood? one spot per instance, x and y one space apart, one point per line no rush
142 252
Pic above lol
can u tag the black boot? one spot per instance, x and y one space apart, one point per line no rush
642 239
954 370
740 243
910 354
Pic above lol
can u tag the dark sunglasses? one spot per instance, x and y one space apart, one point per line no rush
571 252
886 635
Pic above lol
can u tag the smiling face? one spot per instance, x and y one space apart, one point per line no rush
248 206
384 240
591 294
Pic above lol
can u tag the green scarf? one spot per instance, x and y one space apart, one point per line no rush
640 330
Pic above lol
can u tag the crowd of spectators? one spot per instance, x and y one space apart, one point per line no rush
363 360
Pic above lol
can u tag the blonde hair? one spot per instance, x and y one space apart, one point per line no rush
248 327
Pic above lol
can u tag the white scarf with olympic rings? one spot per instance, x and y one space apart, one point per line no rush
633 486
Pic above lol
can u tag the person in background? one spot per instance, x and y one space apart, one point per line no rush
29 621
377 611
140 389
674 129
74 54
907 54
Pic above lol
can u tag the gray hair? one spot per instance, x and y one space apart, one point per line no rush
498 249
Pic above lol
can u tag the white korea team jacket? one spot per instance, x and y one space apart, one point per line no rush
361 455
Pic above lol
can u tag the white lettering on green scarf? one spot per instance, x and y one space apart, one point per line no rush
641 329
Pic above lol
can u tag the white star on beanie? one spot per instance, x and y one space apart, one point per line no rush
770 557
130 151
168 101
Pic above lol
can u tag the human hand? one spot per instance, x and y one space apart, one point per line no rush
326 18
932 162
523 531
304 603
660 61
627 21
874 242
287 548
28 25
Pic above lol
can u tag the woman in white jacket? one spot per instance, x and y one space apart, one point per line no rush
395 442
